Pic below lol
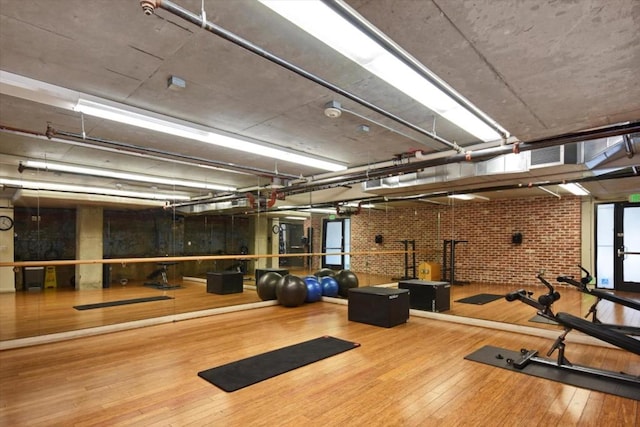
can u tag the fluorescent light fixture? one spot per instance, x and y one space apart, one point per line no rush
155 122
575 189
81 170
461 196
296 218
364 205
321 21
467 197
320 210
38 185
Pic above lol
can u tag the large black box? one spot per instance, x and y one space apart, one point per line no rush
261 271
224 282
428 296
33 278
379 306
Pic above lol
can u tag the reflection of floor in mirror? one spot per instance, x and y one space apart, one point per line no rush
26 314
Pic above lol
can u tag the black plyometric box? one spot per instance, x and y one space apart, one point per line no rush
224 282
260 271
379 306
428 296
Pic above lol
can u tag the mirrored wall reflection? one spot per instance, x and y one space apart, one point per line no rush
470 243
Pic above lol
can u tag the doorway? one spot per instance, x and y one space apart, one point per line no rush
618 246
290 241
336 240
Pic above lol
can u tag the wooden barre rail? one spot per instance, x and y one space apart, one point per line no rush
185 258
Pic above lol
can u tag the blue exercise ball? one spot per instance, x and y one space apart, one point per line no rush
291 291
324 272
266 285
346 280
329 286
314 290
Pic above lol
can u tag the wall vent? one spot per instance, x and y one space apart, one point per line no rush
555 156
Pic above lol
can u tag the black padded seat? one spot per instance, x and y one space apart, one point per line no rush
615 298
602 333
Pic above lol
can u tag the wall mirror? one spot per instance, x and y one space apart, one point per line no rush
133 166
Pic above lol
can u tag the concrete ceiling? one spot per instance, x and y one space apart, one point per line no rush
540 69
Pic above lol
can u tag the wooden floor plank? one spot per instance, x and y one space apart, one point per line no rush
411 374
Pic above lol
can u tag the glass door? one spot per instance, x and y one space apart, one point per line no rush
618 246
627 258
336 241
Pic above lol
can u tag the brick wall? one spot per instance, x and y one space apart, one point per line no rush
550 228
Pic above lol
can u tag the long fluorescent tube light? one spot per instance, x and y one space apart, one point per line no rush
364 206
319 210
575 189
467 197
38 185
147 120
322 22
81 170
461 196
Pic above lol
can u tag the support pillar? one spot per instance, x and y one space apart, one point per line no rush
89 245
7 275
260 239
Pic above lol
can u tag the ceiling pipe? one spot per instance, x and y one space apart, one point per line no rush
149 6
630 172
350 177
628 146
625 173
144 152
470 156
121 147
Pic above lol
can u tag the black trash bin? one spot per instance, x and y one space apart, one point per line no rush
33 278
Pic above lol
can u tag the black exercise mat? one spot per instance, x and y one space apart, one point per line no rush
119 302
540 319
480 299
162 287
489 355
236 375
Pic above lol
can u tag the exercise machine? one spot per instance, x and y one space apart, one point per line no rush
162 273
543 305
600 295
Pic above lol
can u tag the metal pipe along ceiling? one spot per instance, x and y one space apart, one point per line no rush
358 176
165 155
483 154
148 6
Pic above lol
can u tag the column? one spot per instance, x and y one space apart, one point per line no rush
260 241
7 276
89 220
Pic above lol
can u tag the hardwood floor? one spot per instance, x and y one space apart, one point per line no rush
29 314
413 374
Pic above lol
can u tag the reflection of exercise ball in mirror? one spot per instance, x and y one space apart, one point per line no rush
346 280
329 286
266 286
